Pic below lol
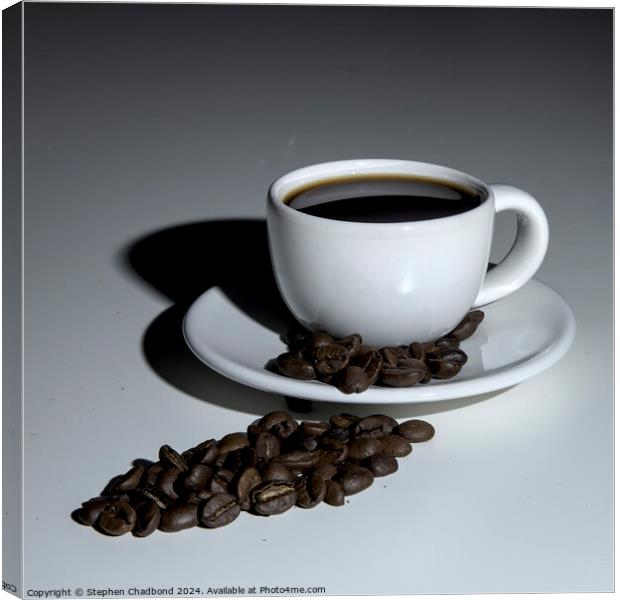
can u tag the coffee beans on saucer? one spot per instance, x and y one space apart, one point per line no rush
276 464
352 366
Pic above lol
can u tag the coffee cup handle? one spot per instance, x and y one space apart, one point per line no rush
528 250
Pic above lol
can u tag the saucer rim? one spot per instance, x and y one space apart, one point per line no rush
267 381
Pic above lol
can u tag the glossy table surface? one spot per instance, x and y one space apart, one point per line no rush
152 134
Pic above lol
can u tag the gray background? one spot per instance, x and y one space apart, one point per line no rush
141 118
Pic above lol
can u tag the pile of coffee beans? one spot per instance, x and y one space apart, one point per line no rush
277 464
353 366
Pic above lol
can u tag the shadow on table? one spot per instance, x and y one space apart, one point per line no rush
184 261
181 263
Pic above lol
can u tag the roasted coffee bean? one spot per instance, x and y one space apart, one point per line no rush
375 425
130 480
325 470
196 496
353 342
298 442
354 479
427 347
267 446
172 457
295 365
341 421
308 443
156 495
417 350
110 488
285 429
226 475
310 490
406 373
298 462
232 442
363 447
394 445
152 473
381 464
334 457
313 428
326 442
148 516
249 457
364 348
254 429
391 364
427 378
219 510
218 485
372 363
273 498
207 452
275 472
117 518
447 354
218 463
198 478
334 438
247 481
331 358
296 339
220 481
167 480
352 380
191 457
391 355
179 517
337 433
318 339
91 509
446 342
443 370
439 344
203 494
467 327
415 431
272 419
232 461
188 496
373 369
325 378
278 463
334 494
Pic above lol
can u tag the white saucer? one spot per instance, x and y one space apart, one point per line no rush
521 335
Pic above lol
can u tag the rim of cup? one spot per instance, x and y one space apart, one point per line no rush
291 184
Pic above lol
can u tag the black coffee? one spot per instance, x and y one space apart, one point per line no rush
384 200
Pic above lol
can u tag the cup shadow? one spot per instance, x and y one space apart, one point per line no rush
182 262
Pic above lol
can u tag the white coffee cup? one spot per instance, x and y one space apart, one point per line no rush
397 282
